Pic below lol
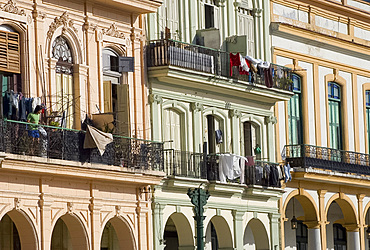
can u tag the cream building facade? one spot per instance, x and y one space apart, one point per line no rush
193 95
54 194
323 131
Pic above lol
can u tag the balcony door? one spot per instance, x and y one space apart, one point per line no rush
251 139
216 135
64 81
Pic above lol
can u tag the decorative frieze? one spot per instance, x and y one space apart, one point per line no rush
11 7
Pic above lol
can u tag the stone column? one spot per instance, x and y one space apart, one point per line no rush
353 237
238 229
235 128
196 109
270 122
314 242
258 32
274 230
155 102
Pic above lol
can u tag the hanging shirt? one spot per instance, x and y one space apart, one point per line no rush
230 167
234 61
288 176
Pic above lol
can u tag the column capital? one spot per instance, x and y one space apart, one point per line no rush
256 12
238 215
312 224
274 217
155 99
360 197
235 113
196 106
321 193
270 119
352 227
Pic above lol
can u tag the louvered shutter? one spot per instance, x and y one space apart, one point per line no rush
9 52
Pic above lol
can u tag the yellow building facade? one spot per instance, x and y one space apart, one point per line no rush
323 131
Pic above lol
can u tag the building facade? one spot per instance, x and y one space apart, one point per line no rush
54 193
203 110
323 131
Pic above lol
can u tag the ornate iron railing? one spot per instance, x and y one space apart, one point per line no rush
67 144
183 163
187 164
166 52
327 158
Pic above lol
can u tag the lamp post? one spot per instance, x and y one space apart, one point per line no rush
199 198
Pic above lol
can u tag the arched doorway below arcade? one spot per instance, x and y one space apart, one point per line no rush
9 236
255 236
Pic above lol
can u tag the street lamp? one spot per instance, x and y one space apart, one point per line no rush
294 221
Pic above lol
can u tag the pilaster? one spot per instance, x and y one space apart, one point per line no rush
274 230
322 222
360 200
270 122
238 229
235 115
196 109
158 241
155 102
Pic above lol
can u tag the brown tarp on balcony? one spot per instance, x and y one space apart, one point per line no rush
97 139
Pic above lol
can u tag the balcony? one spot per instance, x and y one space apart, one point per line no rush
192 165
192 65
67 144
308 156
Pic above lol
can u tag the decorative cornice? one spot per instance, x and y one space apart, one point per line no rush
196 106
11 7
64 21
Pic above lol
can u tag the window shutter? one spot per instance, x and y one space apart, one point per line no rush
9 52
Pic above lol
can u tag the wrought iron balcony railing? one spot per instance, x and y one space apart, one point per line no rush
327 158
192 165
67 144
166 52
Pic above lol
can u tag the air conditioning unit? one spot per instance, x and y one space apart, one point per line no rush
209 38
237 44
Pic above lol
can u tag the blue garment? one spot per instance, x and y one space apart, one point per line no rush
34 133
218 136
288 176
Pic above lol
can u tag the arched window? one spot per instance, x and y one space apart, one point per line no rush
64 81
335 127
295 113
367 107
10 59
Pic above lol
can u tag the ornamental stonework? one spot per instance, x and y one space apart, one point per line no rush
64 21
11 7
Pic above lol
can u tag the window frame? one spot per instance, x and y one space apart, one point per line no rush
335 99
298 95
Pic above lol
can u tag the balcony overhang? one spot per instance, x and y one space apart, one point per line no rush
185 78
132 6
